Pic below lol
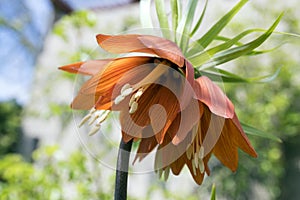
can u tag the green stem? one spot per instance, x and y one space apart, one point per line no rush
122 170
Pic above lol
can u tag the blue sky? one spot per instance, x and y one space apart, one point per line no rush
24 24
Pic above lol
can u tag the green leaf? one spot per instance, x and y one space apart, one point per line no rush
220 75
200 58
213 192
265 79
253 131
200 19
175 8
162 18
145 18
185 25
213 32
254 53
236 52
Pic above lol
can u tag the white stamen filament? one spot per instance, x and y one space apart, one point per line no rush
103 117
194 169
139 93
125 91
87 117
94 130
125 87
132 99
196 160
201 152
95 115
118 99
133 107
201 166
189 152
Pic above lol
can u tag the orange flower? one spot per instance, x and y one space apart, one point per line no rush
216 130
161 104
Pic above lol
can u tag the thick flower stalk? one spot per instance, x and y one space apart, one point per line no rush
161 105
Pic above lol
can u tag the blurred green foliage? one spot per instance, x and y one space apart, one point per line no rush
10 126
50 177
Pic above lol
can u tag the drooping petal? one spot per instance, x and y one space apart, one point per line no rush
129 128
90 67
84 101
122 44
239 138
146 145
195 172
185 121
226 151
113 72
209 129
211 95
166 110
143 44
117 72
190 75
167 153
163 48
187 85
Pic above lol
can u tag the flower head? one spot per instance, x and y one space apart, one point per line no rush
161 105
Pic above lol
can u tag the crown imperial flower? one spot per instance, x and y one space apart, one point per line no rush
161 105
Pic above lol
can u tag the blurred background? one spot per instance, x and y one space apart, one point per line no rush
43 155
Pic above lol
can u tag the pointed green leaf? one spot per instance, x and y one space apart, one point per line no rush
162 18
185 25
213 192
200 58
200 19
253 131
175 14
254 53
236 52
265 79
213 32
218 77
145 18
